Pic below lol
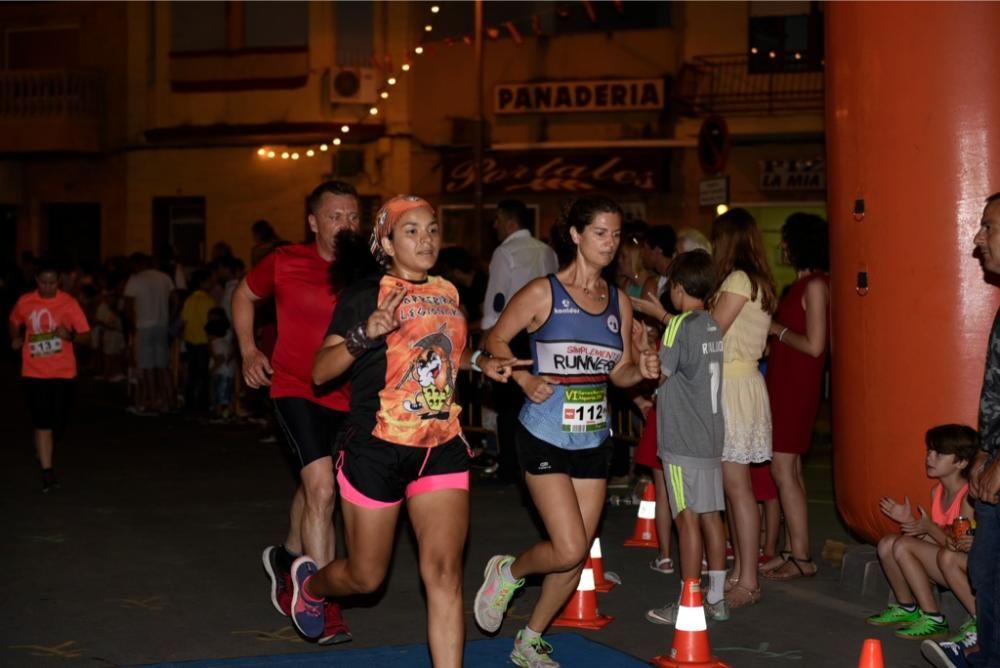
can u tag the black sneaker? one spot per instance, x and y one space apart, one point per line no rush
281 581
49 482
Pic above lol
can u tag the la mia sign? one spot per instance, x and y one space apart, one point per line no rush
792 175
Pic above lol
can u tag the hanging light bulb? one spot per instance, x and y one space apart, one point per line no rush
721 209
384 95
435 9
373 111
345 128
295 156
310 153
323 147
336 141
284 155
262 152
391 81
270 154
419 50
428 27
405 67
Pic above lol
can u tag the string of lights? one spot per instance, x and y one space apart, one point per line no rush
392 77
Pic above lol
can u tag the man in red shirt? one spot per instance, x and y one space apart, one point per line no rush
297 276
43 325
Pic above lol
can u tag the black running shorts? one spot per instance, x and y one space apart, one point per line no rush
310 429
49 401
376 474
540 458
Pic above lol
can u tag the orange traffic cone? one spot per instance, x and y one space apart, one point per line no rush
871 654
691 646
603 582
645 524
580 611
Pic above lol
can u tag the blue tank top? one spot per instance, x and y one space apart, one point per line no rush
579 349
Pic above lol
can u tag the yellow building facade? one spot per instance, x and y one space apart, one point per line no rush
152 124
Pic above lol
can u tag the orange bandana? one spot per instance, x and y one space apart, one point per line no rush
389 214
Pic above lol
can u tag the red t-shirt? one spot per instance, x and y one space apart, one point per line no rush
297 277
45 355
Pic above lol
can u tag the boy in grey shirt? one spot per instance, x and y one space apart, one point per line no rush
690 430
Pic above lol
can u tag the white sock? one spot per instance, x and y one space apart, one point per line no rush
527 634
716 587
505 572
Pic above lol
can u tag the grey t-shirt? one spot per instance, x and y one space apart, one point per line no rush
689 404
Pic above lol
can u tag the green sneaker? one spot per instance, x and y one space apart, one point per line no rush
894 615
534 653
925 628
966 636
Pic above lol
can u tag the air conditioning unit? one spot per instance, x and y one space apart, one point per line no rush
352 85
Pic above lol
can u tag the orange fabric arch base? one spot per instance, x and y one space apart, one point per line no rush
913 130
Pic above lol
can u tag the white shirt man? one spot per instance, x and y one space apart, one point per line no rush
519 259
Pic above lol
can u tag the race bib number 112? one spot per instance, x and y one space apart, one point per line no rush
585 410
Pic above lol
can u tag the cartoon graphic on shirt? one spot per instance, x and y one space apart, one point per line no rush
432 370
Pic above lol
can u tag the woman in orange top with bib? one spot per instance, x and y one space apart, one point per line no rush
402 336
43 325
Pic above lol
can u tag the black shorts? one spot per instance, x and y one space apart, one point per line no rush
539 457
310 429
377 474
49 401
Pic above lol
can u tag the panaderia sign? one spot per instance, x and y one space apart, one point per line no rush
575 96
508 173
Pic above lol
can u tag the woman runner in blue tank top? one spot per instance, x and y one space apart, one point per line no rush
580 330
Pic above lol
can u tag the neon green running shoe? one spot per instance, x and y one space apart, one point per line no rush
494 596
894 615
966 636
534 653
925 628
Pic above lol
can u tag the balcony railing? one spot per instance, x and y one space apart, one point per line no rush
51 110
723 84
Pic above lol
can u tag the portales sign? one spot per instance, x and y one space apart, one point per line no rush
627 171
575 96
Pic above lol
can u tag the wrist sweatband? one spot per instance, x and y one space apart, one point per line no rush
357 340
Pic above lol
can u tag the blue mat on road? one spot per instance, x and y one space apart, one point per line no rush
571 650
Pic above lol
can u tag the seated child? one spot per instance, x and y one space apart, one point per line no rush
926 553
690 430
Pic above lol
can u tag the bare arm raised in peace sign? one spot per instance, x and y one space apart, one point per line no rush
339 352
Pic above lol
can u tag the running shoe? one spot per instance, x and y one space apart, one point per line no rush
717 612
925 628
307 612
335 630
534 653
666 615
49 481
662 565
894 615
943 654
281 581
966 636
494 595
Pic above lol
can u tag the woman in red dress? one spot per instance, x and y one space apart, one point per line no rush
794 376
